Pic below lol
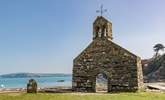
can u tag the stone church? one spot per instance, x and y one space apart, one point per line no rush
122 68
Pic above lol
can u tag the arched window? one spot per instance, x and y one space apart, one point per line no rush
97 29
101 83
104 31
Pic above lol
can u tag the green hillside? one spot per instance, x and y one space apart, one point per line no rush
25 75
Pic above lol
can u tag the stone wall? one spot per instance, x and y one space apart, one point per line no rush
122 68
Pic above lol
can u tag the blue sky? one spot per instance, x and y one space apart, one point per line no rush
46 35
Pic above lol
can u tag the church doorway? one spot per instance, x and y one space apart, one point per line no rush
101 83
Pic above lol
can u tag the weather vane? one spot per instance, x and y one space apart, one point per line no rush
102 10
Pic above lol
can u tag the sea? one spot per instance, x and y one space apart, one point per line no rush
43 82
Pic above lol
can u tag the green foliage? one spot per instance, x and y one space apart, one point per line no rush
85 96
157 48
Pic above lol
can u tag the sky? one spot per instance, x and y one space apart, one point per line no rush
44 36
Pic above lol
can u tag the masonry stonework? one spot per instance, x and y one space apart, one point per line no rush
122 68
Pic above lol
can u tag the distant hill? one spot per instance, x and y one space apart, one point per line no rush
26 75
155 69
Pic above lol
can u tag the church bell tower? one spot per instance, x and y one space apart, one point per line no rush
102 28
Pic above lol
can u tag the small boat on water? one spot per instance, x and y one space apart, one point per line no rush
60 80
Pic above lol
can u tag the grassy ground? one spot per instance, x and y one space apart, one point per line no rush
83 96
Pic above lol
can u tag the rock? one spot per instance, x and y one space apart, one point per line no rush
32 86
154 69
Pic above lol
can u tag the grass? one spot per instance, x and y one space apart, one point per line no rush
84 96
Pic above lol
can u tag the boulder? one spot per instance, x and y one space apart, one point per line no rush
32 86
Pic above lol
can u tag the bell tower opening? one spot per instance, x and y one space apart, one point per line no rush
102 28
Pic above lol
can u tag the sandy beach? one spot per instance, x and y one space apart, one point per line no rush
55 89
154 87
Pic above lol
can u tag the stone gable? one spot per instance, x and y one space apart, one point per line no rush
121 67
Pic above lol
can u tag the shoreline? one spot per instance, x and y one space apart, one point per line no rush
40 89
151 87
12 90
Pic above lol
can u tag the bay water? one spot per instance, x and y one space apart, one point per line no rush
41 81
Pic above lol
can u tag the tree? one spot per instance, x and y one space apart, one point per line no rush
157 48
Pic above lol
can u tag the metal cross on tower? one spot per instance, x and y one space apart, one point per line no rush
102 10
